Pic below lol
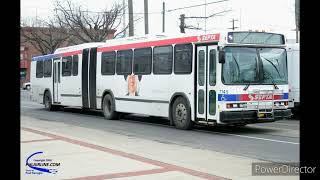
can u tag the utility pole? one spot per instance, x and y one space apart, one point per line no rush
163 16
131 33
182 25
146 22
233 27
124 18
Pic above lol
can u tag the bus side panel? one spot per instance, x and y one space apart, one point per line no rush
35 83
39 85
153 91
293 74
70 87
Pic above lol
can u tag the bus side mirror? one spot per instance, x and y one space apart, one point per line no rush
222 57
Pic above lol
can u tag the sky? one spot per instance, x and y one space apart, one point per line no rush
269 15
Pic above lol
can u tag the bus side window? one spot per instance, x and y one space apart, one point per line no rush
39 69
108 60
124 62
47 68
183 59
75 65
212 70
66 66
162 59
142 61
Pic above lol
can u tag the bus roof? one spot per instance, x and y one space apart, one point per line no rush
156 40
44 57
77 47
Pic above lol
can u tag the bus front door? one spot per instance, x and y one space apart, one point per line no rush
56 80
206 82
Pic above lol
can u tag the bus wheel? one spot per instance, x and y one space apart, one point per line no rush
181 114
108 107
47 102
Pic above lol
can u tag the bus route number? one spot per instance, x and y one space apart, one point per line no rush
223 91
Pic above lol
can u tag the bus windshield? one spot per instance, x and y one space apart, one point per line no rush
254 65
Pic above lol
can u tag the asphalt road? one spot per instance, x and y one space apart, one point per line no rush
276 142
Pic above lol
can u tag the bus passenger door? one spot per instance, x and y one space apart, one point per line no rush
211 82
56 79
206 82
201 82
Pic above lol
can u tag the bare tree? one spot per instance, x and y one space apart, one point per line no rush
44 36
86 26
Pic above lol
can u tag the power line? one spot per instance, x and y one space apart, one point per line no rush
196 5
203 17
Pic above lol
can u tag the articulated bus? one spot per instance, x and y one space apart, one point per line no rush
227 78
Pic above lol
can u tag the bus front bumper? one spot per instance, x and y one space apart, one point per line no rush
250 117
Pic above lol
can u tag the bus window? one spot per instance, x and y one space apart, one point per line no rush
124 62
142 61
212 102
47 68
183 59
212 69
201 67
39 70
66 66
108 63
200 101
75 65
162 60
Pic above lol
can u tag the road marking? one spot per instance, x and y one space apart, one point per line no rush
252 137
244 136
271 127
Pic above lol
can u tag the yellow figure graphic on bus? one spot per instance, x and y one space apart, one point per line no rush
133 86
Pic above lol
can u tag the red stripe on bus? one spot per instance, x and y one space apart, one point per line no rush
204 38
71 53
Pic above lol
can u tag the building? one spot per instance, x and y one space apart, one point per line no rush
25 59
27 51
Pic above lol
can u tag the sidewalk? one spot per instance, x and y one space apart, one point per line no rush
94 155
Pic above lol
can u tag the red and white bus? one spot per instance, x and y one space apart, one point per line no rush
226 78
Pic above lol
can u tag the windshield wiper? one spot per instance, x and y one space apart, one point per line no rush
249 83
275 67
247 86
236 64
272 80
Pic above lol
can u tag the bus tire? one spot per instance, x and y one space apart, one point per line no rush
181 114
108 107
47 101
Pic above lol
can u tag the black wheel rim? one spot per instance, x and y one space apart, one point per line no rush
181 113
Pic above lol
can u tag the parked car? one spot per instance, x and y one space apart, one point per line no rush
26 86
